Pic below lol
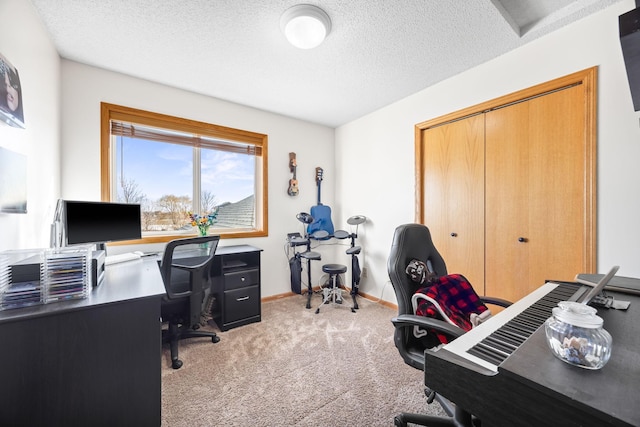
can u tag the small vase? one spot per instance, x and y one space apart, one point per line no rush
203 231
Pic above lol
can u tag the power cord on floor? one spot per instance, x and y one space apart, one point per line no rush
382 291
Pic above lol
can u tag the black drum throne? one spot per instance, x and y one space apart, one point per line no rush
332 290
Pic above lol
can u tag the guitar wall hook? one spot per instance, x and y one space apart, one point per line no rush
293 182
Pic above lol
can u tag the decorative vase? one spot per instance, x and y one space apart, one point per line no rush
203 231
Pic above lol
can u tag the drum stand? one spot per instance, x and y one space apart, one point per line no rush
309 255
354 251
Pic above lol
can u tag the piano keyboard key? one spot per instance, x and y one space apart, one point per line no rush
495 340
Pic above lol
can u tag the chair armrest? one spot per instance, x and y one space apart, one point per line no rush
496 301
404 320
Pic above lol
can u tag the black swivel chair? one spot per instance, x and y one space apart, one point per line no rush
413 241
186 281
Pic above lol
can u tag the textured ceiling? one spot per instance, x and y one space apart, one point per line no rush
378 51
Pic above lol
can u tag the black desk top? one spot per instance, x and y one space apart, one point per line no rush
123 282
236 249
609 393
220 250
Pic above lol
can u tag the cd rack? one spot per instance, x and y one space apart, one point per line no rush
39 276
66 273
21 278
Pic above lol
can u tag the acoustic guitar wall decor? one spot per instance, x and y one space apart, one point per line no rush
321 213
293 182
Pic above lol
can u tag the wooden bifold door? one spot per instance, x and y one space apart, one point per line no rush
507 187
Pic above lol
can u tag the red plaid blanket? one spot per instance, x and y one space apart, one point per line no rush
456 298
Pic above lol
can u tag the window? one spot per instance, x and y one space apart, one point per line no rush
173 166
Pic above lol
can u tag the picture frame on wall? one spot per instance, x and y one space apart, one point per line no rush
11 108
13 182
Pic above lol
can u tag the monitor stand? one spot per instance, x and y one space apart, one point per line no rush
97 267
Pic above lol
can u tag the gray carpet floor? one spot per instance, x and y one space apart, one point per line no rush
295 368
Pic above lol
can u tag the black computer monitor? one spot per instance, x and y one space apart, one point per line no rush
629 24
98 222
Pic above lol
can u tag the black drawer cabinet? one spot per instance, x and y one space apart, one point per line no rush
241 305
236 286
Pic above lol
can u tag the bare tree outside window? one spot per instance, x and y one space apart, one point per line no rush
175 209
208 202
130 192
149 216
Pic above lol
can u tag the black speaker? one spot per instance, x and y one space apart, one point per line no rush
97 267
630 41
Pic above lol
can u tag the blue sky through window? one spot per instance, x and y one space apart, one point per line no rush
160 169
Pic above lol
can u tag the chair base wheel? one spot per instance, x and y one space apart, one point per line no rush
176 364
215 339
397 422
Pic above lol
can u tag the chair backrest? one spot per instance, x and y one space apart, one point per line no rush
192 267
410 241
201 251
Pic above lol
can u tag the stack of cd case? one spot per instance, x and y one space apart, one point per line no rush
40 276
66 273
22 294
21 278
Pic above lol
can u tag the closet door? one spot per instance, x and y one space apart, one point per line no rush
536 193
453 159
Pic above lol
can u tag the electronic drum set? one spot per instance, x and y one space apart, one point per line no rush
332 289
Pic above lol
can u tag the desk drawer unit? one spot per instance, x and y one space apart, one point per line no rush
241 279
236 273
241 304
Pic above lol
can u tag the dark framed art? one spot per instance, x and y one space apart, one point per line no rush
11 109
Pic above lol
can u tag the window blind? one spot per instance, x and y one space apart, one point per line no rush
119 128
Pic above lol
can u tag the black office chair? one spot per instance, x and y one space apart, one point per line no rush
186 279
413 241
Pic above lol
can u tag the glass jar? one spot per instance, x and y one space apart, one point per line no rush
575 335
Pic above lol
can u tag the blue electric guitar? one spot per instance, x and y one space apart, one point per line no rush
321 213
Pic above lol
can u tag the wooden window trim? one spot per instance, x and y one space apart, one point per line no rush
109 112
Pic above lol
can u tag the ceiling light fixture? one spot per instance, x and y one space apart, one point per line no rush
305 25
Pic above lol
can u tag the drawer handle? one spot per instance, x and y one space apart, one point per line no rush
242 299
242 278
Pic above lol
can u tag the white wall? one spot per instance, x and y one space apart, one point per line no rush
25 43
375 154
371 169
85 87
